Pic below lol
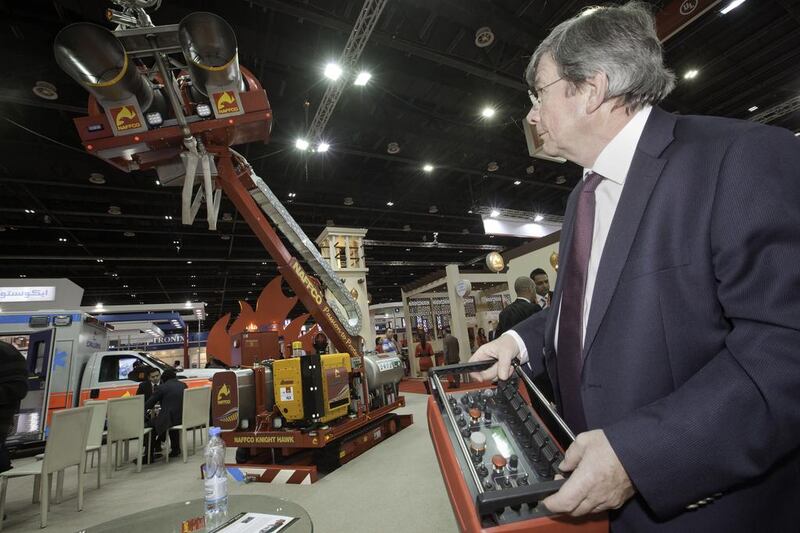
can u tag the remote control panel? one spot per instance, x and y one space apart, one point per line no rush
497 450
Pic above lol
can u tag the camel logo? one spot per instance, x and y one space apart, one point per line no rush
688 6
126 118
223 393
226 102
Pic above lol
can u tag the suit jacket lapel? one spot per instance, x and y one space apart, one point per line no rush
643 175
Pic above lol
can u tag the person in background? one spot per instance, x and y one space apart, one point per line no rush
389 344
378 345
321 343
521 308
149 386
543 293
673 340
452 354
13 388
424 352
492 330
170 395
177 366
480 338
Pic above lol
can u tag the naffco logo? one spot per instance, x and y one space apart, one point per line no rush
688 6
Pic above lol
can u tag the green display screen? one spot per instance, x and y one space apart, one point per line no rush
501 441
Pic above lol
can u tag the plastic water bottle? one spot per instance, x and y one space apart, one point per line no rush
216 481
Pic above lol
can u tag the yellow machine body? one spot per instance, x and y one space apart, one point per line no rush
335 385
288 387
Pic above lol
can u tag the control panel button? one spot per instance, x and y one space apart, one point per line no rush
477 441
513 462
499 462
475 414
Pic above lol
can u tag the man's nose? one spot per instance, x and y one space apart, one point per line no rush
533 115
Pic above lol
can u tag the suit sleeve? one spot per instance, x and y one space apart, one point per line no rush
529 335
739 414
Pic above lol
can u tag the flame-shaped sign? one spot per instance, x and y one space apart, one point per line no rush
126 118
270 315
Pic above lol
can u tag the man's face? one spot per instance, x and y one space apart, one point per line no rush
559 116
154 377
542 284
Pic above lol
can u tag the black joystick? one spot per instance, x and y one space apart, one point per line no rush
513 461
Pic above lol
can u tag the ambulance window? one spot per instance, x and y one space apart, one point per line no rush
116 367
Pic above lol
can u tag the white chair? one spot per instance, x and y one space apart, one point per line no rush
125 423
66 446
196 406
94 444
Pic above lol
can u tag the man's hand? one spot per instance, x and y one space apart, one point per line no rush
503 350
598 481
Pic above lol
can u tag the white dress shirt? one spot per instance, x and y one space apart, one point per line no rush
542 301
613 164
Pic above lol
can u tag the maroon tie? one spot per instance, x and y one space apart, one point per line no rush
570 328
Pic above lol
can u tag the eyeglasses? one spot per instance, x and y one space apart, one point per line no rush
536 94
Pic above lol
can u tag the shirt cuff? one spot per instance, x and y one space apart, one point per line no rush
523 351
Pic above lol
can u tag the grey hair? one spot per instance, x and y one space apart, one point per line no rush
525 285
619 41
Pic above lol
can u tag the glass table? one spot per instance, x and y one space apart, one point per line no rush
182 517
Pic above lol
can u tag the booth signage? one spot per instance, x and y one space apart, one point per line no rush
225 401
27 294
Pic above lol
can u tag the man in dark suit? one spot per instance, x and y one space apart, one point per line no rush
148 386
170 396
521 308
673 337
543 293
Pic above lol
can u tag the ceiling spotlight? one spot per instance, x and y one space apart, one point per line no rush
99 260
30 211
333 71
538 218
323 147
690 74
406 227
389 204
517 182
301 144
225 237
292 194
469 211
167 217
488 112
408 249
530 170
99 305
492 166
427 167
731 6
97 178
797 134
158 182
495 213
45 90
114 210
188 262
561 180
433 210
62 239
753 108
348 201
393 148
362 78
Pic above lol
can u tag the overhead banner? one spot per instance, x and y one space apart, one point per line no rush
27 294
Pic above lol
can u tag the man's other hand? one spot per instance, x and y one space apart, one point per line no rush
503 350
598 481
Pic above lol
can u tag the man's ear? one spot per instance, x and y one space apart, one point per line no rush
596 88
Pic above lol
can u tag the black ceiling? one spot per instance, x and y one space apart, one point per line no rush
429 84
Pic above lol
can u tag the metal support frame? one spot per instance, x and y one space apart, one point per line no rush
362 29
775 112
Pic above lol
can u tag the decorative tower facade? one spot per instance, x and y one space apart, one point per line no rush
343 248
